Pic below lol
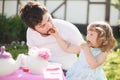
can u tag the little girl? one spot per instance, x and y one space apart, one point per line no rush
92 54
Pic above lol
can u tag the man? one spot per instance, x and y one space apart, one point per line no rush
36 16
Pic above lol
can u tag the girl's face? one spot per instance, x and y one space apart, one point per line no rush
46 24
92 38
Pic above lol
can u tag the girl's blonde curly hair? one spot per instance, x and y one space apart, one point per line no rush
105 39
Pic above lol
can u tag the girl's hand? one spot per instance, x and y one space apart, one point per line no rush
85 46
53 31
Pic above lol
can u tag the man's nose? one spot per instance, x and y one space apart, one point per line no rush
49 25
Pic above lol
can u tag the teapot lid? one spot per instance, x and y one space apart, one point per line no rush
3 53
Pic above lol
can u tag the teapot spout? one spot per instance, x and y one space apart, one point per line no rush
18 61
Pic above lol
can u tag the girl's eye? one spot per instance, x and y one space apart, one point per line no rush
89 34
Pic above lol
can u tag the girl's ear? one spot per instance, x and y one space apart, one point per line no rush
102 38
101 41
101 34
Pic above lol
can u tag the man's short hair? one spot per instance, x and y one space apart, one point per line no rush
32 13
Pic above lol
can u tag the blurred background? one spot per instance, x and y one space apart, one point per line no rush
78 12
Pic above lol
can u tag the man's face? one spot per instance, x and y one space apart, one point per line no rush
46 24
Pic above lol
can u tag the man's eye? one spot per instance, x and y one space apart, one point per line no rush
42 26
48 20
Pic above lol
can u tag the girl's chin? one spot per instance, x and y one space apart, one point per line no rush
90 45
93 46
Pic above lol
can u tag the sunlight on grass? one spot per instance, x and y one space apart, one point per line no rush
112 66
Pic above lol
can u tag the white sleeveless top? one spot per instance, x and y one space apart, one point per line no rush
81 70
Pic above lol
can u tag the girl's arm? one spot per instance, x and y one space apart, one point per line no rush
64 44
93 61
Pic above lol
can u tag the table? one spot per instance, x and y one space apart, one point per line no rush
53 72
